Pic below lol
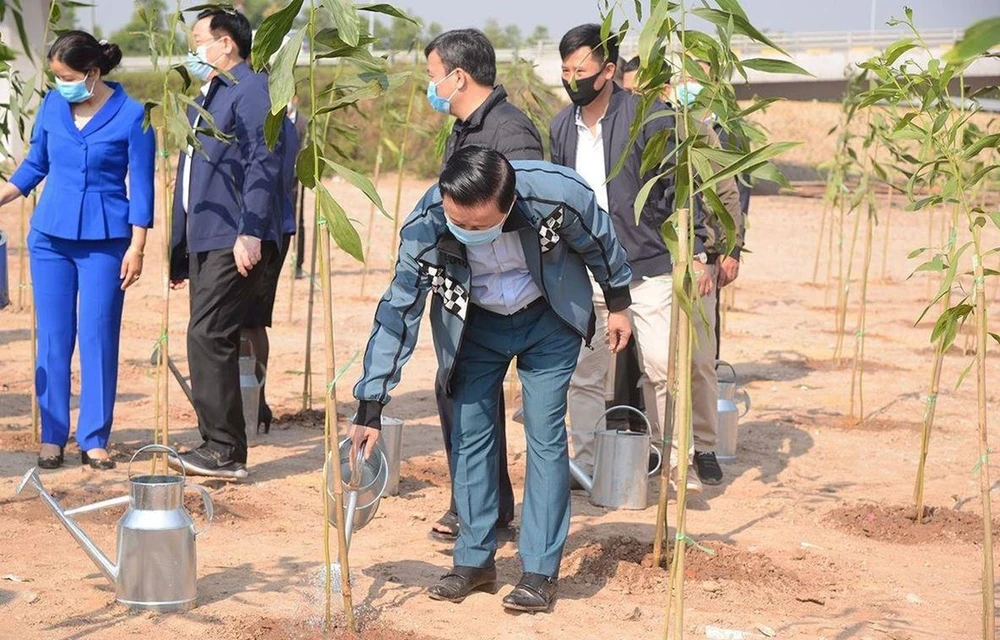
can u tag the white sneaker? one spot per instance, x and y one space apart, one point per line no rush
694 484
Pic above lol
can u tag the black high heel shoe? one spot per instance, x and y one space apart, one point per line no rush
101 464
51 462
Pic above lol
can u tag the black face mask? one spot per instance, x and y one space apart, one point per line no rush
586 91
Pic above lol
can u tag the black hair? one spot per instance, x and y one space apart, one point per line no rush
589 35
234 24
81 52
469 50
631 65
476 176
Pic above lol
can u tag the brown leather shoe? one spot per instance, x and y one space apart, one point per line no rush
455 585
534 592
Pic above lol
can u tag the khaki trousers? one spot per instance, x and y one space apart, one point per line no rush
704 382
650 315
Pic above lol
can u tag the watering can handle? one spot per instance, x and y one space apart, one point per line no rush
659 461
206 498
746 402
158 447
359 461
649 427
726 365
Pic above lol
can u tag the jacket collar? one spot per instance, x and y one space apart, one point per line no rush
103 116
475 121
235 75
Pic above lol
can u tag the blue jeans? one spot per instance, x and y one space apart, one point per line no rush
77 292
546 350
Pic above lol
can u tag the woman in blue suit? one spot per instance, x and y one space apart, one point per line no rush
87 236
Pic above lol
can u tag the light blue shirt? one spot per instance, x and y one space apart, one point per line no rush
501 282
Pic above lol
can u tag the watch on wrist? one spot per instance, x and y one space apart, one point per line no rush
701 257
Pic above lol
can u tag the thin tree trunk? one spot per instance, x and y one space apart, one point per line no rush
819 243
929 411
885 238
845 294
662 512
857 375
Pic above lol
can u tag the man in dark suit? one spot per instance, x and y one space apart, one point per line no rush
227 221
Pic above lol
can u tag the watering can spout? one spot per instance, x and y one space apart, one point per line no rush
109 569
581 476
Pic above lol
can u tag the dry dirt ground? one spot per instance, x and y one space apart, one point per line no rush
804 538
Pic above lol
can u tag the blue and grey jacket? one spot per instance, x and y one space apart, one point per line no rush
563 233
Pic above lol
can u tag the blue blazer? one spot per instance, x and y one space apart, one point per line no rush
235 184
85 196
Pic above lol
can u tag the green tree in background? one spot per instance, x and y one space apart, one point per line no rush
400 35
133 38
67 20
540 34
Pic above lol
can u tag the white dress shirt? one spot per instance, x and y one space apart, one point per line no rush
186 178
501 282
590 158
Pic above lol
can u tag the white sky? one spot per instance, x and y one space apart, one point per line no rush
560 15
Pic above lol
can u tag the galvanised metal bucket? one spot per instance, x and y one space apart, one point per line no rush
729 414
392 440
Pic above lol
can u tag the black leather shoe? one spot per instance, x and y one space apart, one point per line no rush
101 464
461 581
51 462
534 592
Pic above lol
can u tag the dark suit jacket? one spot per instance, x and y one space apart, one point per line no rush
232 189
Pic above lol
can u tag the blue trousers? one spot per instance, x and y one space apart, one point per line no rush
77 293
546 350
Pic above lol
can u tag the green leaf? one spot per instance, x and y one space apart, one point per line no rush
771 65
643 195
749 161
373 88
978 38
345 18
22 33
995 337
896 49
740 24
964 375
332 216
272 32
272 128
389 10
281 79
653 30
362 183
305 167
719 211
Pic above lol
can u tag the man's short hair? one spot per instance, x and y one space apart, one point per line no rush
631 65
232 23
589 35
469 50
477 176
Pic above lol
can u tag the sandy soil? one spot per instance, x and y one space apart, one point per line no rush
788 557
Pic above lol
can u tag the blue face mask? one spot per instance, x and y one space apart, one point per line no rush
472 238
687 93
197 62
437 102
74 92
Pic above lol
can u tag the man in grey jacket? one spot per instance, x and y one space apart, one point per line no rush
505 250
461 66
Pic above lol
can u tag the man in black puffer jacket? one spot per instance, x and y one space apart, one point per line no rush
461 65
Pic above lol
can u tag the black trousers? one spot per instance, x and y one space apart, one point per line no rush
447 415
220 299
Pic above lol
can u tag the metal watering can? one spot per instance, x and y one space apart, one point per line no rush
392 440
157 567
4 286
250 385
364 484
621 466
729 414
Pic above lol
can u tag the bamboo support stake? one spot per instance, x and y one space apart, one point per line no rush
885 238
331 426
371 213
293 261
858 373
662 532
829 253
844 293
400 163
989 599
307 367
928 422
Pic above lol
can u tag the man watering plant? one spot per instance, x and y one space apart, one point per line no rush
505 250
461 65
